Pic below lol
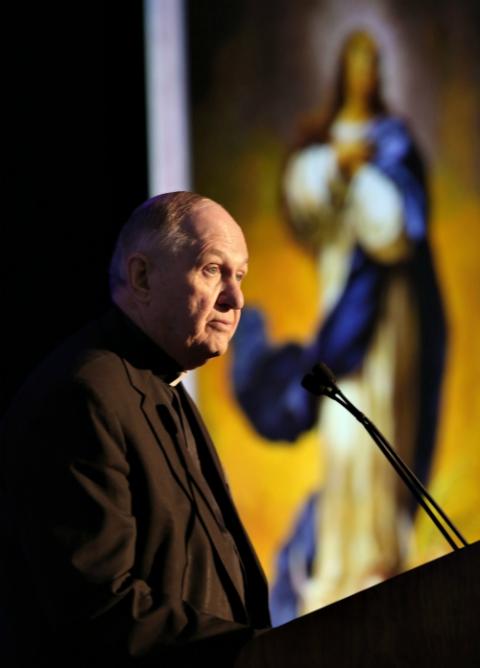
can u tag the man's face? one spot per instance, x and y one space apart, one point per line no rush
196 294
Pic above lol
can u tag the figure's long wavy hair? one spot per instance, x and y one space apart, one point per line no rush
315 127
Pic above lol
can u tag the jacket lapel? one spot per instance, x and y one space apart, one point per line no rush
165 425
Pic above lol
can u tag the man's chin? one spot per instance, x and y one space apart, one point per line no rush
201 354
216 351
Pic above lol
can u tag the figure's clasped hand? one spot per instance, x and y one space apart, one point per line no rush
352 155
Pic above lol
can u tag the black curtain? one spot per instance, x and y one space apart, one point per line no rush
76 167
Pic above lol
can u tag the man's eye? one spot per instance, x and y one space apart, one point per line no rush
211 269
240 276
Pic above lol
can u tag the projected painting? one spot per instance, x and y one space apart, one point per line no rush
344 138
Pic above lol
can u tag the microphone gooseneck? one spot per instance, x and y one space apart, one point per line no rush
321 381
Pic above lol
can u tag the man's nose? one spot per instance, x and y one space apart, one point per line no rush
231 295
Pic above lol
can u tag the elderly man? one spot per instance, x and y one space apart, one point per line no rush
123 542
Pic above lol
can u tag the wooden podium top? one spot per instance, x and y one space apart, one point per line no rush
428 616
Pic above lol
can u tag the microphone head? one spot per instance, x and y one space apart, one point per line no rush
324 374
320 380
311 384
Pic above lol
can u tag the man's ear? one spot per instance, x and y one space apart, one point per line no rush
138 274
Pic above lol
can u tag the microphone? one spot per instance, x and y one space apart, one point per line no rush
321 381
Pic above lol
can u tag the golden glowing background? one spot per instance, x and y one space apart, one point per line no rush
261 72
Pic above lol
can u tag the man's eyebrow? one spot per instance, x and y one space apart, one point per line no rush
220 254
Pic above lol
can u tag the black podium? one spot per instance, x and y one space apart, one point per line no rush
429 616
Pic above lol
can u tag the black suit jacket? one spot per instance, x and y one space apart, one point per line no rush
118 549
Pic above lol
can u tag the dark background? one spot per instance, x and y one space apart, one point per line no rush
76 168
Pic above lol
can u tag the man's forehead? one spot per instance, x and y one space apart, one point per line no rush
208 213
211 223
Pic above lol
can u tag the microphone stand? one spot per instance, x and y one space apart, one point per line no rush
322 382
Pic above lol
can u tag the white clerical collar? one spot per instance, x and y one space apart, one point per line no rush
178 379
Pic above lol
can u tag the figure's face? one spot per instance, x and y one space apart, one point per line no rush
361 67
195 295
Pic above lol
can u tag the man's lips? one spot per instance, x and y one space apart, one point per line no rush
221 325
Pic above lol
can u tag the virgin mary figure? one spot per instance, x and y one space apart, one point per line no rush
355 195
